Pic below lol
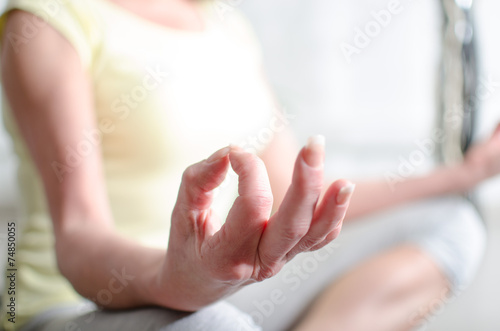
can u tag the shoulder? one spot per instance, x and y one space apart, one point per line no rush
75 20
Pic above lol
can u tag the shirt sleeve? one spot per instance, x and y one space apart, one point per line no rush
73 19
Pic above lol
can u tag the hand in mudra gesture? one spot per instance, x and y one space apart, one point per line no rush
206 262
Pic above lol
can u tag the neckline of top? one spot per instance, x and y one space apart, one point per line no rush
201 7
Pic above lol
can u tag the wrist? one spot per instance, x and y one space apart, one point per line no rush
464 177
149 289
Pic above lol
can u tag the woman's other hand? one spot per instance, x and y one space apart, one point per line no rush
482 160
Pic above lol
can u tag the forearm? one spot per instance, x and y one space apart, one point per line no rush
378 195
110 270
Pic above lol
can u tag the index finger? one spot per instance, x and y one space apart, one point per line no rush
250 212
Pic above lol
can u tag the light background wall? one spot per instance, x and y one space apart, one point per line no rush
478 308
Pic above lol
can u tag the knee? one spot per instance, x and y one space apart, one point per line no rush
459 242
471 246
220 316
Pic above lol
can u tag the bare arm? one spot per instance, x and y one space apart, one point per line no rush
51 98
481 162
373 196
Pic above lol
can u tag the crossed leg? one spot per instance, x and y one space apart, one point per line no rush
391 291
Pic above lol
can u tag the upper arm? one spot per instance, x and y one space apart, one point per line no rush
49 92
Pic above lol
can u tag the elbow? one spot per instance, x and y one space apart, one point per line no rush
69 266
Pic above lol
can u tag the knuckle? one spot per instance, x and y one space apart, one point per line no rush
263 199
266 272
306 192
190 174
267 267
256 207
232 273
200 197
306 243
294 234
333 235
306 182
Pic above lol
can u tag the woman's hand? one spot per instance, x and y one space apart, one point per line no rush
206 262
482 161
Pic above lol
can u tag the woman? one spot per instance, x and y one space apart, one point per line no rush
137 93
113 100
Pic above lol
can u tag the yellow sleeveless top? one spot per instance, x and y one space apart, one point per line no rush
164 99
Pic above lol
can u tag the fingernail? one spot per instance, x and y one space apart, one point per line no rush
345 194
221 153
313 153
